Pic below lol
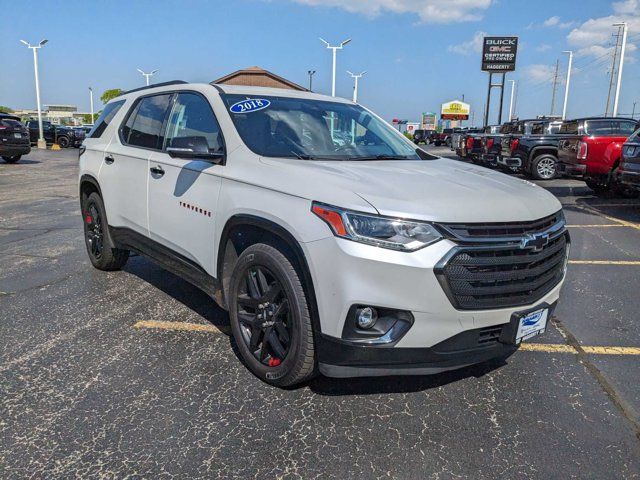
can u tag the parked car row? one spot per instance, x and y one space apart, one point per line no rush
588 148
16 138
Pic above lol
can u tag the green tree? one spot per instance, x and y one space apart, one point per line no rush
109 94
86 118
5 109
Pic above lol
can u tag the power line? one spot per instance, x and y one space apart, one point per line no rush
613 68
555 85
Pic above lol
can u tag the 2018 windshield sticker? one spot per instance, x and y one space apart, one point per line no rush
249 105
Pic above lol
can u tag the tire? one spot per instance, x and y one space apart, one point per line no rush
264 282
598 187
544 167
12 159
63 142
100 247
437 144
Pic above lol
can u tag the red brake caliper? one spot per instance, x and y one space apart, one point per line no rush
274 362
87 217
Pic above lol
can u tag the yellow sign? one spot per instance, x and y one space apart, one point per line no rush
455 110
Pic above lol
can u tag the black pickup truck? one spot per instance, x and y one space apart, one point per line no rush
63 136
469 144
532 147
491 144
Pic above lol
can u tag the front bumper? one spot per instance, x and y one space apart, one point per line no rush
572 169
441 337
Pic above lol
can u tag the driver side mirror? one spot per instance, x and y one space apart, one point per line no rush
193 148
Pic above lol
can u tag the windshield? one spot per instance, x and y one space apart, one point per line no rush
314 129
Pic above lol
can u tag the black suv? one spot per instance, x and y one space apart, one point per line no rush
423 136
63 136
14 138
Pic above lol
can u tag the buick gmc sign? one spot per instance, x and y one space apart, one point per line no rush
499 54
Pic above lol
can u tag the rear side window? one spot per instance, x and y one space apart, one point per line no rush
105 119
192 120
10 123
144 125
569 128
610 127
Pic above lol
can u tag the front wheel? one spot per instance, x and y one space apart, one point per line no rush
63 142
544 167
12 159
270 317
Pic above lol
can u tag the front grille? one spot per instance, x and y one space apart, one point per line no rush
502 275
477 231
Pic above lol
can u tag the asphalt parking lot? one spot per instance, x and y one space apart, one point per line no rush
132 373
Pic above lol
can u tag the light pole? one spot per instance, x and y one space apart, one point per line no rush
91 101
624 44
335 49
147 76
355 86
566 87
41 141
513 88
311 73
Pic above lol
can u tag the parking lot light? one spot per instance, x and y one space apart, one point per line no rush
147 76
356 77
91 101
334 49
41 141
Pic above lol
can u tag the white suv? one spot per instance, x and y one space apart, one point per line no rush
335 243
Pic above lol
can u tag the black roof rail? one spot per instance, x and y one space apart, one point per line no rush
163 84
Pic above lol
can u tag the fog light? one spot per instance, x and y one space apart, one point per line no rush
366 317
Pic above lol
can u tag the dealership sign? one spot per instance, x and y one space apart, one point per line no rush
455 110
499 54
429 121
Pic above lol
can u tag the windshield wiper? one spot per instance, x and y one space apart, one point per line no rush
381 157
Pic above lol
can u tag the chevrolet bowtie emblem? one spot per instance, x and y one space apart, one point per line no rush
534 242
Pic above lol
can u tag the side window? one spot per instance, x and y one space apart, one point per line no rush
105 118
191 122
145 128
569 128
623 128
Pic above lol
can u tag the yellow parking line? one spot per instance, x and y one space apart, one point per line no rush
587 208
190 327
562 348
604 262
598 225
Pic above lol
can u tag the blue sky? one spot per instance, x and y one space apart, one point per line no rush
418 53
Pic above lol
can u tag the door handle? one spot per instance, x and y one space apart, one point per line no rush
109 160
157 170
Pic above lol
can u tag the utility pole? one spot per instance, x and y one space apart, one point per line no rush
41 141
311 73
555 85
513 88
624 46
633 112
515 100
566 88
355 85
613 70
147 76
334 49
91 101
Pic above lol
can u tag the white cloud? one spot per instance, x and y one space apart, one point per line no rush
543 47
593 37
555 22
472 46
539 73
428 11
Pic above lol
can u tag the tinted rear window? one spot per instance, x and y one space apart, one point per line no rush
604 128
105 118
569 128
10 123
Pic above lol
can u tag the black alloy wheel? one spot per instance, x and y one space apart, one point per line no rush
263 313
93 231
101 249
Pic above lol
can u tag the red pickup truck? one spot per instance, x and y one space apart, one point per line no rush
591 148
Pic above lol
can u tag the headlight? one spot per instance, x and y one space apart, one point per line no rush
392 233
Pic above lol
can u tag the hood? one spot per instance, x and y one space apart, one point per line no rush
436 190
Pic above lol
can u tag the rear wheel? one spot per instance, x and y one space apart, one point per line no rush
544 167
270 317
100 247
12 158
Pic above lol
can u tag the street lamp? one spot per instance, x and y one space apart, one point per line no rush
311 73
91 100
147 76
41 141
335 49
355 86
620 65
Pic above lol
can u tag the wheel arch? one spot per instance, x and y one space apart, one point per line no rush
243 230
88 185
543 150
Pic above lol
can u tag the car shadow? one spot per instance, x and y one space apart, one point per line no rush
188 176
322 385
20 162
181 290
